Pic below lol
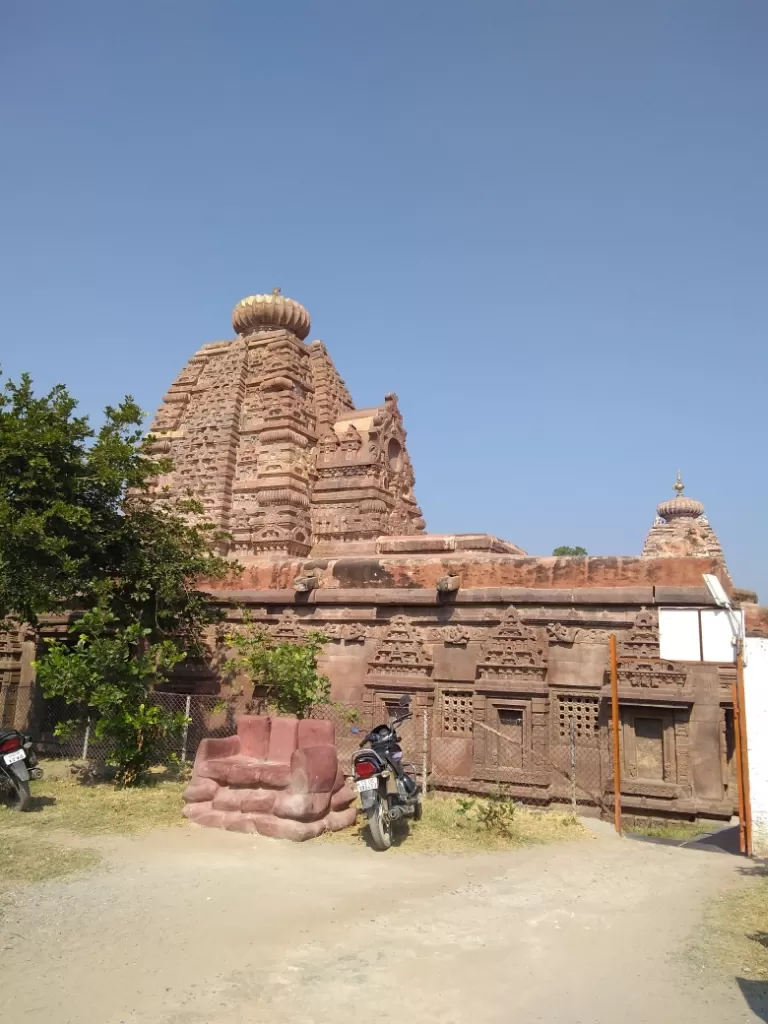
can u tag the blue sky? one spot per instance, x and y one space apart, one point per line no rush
544 225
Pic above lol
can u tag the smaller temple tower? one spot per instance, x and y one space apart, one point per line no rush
682 529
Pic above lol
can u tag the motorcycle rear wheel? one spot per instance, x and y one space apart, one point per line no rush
379 826
16 795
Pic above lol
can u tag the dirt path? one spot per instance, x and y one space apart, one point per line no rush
196 927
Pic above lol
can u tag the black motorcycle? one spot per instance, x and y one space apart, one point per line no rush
387 791
18 765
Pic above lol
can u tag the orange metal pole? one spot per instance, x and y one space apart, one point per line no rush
744 753
739 768
615 734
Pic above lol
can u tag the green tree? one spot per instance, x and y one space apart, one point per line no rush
285 673
81 529
566 551
110 671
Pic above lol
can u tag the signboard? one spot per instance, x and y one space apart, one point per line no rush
699 634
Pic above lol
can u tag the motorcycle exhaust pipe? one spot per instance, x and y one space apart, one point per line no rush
36 773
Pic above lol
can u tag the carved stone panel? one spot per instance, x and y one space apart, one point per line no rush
640 668
401 652
513 652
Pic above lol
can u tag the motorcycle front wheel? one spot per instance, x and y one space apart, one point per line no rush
379 826
16 794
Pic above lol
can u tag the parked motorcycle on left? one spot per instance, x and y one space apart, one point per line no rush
18 764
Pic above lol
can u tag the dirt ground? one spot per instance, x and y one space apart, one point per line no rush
190 926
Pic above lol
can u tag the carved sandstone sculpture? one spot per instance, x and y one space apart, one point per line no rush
277 776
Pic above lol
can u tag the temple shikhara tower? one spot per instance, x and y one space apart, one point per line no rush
682 529
264 432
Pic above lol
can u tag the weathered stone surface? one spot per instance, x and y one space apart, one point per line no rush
296 794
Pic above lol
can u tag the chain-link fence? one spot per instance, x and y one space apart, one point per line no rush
557 753
204 715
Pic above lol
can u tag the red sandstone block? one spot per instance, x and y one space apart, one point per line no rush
208 818
302 806
253 733
314 769
200 790
211 748
337 820
242 823
339 780
283 828
313 732
260 801
275 776
193 811
283 739
218 768
342 798
229 799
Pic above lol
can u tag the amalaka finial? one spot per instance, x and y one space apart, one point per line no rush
679 485
276 291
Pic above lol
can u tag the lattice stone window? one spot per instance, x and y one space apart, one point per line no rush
584 711
457 713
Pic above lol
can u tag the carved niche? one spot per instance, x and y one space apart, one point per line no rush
289 628
640 665
513 652
558 633
351 632
454 636
401 651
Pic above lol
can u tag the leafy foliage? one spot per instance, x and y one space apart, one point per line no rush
109 671
81 527
494 814
286 673
565 552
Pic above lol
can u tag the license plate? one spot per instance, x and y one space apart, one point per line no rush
17 755
364 784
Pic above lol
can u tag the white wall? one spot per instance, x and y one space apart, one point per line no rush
756 699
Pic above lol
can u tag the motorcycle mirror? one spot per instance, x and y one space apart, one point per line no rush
405 701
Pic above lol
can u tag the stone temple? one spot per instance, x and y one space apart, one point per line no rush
505 654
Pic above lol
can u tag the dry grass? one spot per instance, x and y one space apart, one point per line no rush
733 939
683 831
444 830
43 843
23 860
98 808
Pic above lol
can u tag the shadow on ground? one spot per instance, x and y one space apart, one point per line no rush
756 996
39 803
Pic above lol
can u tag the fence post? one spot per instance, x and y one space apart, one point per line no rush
425 738
85 739
185 734
573 765
615 734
